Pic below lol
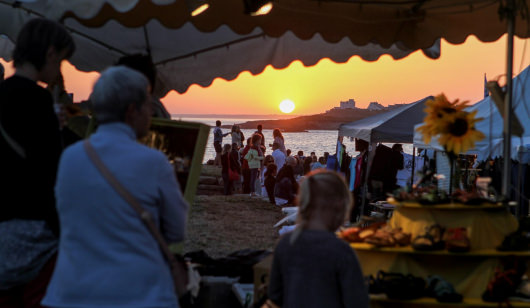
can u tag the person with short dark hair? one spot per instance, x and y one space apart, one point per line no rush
279 156
286 185
144 64
288 152
270 181
217 142
301 155
307 164
320 163
30 143
260 132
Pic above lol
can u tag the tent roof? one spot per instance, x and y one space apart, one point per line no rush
396 125
415 23
184 55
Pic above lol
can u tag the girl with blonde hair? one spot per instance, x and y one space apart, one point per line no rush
311 266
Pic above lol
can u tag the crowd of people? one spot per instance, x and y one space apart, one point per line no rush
249 170
84 243
67 238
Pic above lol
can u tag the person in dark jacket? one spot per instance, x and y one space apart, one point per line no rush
396 163
270 181
307 164
286 185
226 162
30 146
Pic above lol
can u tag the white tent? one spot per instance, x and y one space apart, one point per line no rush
491 125
396 125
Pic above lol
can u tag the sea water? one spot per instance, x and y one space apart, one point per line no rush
318 141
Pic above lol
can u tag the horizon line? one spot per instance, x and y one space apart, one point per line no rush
236 114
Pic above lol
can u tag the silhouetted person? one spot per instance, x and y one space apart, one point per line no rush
30 146
144 64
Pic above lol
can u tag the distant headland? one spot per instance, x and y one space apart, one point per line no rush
329 120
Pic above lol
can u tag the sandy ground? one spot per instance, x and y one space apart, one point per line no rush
220 225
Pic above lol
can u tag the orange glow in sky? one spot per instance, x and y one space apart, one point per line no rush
459 73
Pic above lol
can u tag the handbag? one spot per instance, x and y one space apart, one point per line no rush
232 175
179 268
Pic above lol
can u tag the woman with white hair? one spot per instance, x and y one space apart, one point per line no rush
107 256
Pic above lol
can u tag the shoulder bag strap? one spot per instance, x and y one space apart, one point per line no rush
127 196
12 143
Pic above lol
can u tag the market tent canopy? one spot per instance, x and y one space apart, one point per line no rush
491 125
396 125
415 23
186 55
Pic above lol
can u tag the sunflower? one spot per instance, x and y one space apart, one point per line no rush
436 111
459 133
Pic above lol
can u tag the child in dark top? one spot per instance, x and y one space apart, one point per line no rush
235 165
227 162
311 266
286 185
270 181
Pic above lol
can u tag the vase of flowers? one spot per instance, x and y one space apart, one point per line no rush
452 126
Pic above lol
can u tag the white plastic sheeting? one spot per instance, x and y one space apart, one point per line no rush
394 126
492 124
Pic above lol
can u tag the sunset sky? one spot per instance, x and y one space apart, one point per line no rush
459 73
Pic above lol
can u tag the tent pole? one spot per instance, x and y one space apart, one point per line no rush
371 154
413 166
508 101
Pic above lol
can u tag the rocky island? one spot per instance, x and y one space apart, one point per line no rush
330 120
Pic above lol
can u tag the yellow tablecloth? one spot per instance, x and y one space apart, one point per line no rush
468 274
486 228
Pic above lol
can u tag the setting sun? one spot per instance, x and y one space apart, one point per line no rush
287 106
